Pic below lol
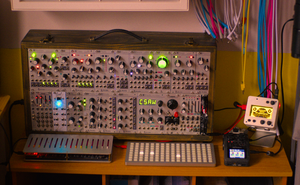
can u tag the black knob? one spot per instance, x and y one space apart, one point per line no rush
159 111
75 61
262 122
111 70
125 72
92 100
159 119
150 111
56 68
51 61
175 72
98 60
92 114
142 111
142 119
120 101
206 68
132 63
90 70
141 59
98 69
183 72
137 71
71 105
118 58
32 68
44 57
49 73
81 69
71 120
88 61
110 61
192 72
172 104
120 109
122 65
73 70
149 64
92 121
200 61
65 76
189 63
44 66
120 126
92 107
64 60
166 73
145 71
160 103
150 119
36 61
120 118
269 123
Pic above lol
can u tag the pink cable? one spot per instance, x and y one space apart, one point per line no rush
269 45
219 23
215 30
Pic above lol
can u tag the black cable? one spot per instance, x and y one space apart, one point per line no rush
17 102
142 39
282 116
20 152
267 88
269 153
226 108
261 137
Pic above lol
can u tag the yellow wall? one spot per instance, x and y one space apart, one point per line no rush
227 88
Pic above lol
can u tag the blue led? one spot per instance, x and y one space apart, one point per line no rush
58 103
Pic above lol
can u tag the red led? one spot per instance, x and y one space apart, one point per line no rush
176 114
114 119
114 127
89 55
191 56
37 66
35 153
40 97
81 60
36 97
73 54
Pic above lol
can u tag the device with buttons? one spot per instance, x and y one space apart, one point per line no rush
236 148
261 112
162 89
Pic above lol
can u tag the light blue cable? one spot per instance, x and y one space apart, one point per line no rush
212 33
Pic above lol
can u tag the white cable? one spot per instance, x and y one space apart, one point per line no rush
218 23
233 30
198 14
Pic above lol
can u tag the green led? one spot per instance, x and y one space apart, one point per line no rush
44 83
150 57
176 56
55 83
56 58
50 67
53 55
79 84
162 62
51 83
91 84
33 54
104 60
84 100
84 104
78 125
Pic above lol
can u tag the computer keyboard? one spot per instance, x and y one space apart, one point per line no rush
170 154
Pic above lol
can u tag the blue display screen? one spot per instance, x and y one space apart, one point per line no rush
237 153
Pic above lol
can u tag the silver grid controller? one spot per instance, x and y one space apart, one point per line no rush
170 154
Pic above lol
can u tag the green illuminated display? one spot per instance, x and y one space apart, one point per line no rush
147 102
162 62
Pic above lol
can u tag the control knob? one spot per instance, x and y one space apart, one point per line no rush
120 126
122 65
64 60
206 68
159 120
44 66
39 73
120 118
73 70
142 119
51 61
81 69
200 61
98 60
110 61
141 59
125 72
35 61
183 72
49 73
142 111
56 68
118 58
71 104
160 103
75 61
65 76
92 100
137 71
192 72
32 68
145 71
120 101
71 120
177 63
150 111
166 73
159 111
98 69
149 64
92 114
132 63
88 61
175 72
111 70
189 63
120 109
172 104
44 57
90 70
92 121
150 119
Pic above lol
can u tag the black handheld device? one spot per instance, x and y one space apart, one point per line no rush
236 149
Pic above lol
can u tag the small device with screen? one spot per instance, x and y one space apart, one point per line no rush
236 148
261 112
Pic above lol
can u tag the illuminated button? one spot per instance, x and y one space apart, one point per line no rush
58 103
162 62
53 55
33 54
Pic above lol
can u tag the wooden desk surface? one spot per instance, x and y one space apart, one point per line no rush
3 104
261 165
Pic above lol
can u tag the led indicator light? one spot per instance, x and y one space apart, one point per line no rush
37 66
58 103
191 56
176 56
73 55
104 60
50 67
89 55
84 104
33 54
84 100
150 57
53 55
81 60
162 62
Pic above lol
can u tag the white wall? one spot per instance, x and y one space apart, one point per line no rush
14 25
